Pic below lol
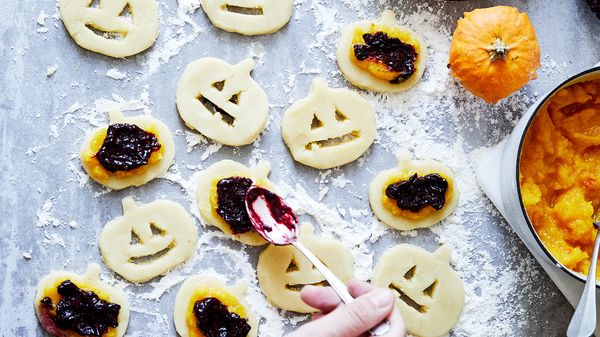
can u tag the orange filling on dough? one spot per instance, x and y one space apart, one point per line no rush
228 300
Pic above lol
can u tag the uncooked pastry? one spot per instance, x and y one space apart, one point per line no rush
363 79
329 128
89 281
406 168
150 171
425 280
117 28
166 236
283 270
222 101
194 283
206 190
248 17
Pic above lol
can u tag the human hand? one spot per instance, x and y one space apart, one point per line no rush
335 319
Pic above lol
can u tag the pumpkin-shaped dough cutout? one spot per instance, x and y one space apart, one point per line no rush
220 197
222 101
208 291
68 288
164 235
366 65
117 28
329 128
429 293
415 194
131 151
248 17
282 270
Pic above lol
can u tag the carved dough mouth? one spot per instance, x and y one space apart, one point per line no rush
106 34
298 287
243 10
334 141
407 299
216 110
152 257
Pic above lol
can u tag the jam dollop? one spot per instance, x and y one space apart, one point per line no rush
419 192
231 205
126 147
215 320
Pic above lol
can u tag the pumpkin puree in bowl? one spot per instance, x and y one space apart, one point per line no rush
560 173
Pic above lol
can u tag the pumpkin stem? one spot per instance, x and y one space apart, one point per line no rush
498 50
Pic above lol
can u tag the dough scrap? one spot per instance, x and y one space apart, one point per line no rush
363 79
166 235
106 30
283 270
187 290
222 101
89 280
409 166
329 128
425 279
248 17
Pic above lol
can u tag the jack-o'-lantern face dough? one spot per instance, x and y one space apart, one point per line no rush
165 236
372 73
429 294
329 128
90 281
248 17
387 210
117 28
222 101
282 270
199 287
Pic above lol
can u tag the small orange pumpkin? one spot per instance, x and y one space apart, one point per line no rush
494 52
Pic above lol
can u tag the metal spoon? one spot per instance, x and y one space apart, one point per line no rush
275 221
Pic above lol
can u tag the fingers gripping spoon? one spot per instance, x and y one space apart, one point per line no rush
275 221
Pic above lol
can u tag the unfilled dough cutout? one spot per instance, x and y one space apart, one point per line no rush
117 28
209 285
429 293
148 240
207 183
248 17
363 79
407 167
139 176
222 101
329 128
282 270
89 281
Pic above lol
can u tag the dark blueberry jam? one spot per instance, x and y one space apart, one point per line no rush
126 147
396 55
215 320
417 192
231 205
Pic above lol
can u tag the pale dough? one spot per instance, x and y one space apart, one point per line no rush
223 14
283 270
207 183
152 170
428 281
177 234
187 290
88 281
230 89
363 79
409 166
329 128
95 28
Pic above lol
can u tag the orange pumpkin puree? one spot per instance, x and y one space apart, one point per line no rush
560 173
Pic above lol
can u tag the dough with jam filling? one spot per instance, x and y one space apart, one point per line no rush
282 270
390 214
248 17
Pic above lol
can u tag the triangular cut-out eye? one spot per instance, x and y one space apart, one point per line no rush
410 273
316 123
94 4
126 12
408 300
340 117
429 290
292 267
135 239
214 109
157 230
244 10
235 99
219 85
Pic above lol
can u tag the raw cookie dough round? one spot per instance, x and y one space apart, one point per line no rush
329 128
166 237
248 17
362 78
117 28
207 199
406 168
282 270
222 101
198 287
430 294
159 162
89 281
